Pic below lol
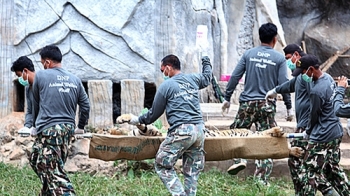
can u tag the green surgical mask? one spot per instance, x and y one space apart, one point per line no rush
22 81
164 76
290 64
307 78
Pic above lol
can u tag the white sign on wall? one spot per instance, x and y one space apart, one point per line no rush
202 36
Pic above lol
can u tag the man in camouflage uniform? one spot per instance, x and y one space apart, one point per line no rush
293 53
56 94
341 109
321 168
178 96
264 69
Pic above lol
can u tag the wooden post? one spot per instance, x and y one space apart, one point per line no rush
303 45
132 96
101 106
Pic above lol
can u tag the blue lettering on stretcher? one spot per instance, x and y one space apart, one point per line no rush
128 149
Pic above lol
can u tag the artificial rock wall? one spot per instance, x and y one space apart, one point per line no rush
117 40
323 25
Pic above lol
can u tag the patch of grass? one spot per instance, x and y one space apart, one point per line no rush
218 183
23 181
14 181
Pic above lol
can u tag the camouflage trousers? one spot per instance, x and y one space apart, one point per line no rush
295 166
48 156
321 169
262 114
186 141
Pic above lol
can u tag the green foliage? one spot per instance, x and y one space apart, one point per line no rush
90 128
131 174
158 123
23 181
144 111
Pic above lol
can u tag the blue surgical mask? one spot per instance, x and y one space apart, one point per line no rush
290 64
22 81
164 76
307 78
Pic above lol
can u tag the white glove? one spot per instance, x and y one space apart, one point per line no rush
225 106
24 131
306 136
33 131
271 94
289 116
78 131
134 120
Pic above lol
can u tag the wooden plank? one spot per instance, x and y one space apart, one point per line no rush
331 60
344 56
303 45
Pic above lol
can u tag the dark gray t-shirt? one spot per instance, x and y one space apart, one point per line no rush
28 122
57 93
302 100
340 108
324 125
179 97
264 69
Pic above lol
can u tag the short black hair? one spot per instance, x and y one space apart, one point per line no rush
291 48
267 32
51 52
21 63
172 60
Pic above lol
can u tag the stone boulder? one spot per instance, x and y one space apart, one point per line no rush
322 24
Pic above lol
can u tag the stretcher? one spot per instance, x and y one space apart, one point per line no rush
115 147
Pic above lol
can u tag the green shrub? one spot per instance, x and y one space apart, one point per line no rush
158 123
